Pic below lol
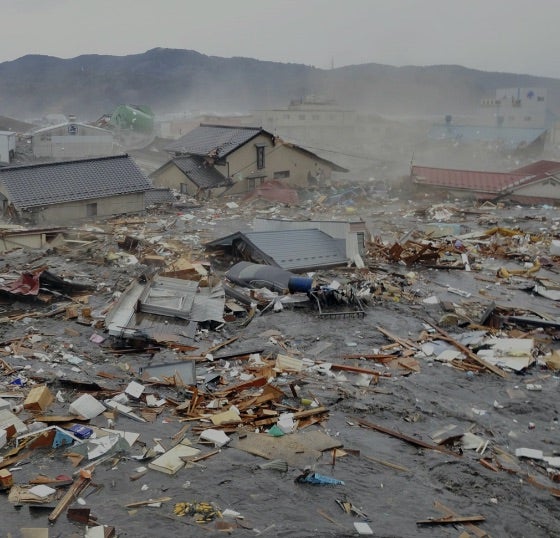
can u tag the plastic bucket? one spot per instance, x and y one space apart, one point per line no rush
299 284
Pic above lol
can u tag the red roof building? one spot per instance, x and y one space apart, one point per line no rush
538 182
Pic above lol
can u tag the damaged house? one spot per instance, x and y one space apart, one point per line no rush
352 234
293 250
535 183
211 159
69 191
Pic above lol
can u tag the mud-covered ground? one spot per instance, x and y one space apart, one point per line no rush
394 495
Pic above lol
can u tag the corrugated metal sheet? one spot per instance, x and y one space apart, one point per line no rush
37 185
491 182
164 328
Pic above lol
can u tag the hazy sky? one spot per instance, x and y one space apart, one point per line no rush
516 36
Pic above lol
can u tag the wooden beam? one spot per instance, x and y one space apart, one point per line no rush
451 520
406 438
470 526
357 370
469 353
75 489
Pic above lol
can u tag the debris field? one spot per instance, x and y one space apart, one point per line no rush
151 384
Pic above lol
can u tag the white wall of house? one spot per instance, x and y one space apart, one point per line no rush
546 188
7 146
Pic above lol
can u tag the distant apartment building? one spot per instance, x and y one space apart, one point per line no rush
517 107
514 120
312 120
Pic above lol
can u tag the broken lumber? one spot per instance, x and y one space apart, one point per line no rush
470 526
406 438
357 370
450 520
75 489
407 344
469 353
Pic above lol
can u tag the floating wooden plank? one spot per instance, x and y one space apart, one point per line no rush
75 489
471 526
149 501
404 343
450 520
412 440
357 370
387 464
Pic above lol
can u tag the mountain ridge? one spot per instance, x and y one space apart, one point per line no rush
177 80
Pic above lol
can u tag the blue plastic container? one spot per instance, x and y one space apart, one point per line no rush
299 284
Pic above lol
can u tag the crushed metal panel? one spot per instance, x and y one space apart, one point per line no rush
209 304
185 369
164 329
118 319
169 296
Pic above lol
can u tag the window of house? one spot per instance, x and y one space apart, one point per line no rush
184 188
91 210
281 174
260 156
250 184
361 238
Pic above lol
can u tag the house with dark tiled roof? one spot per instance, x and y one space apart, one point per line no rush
218 158
190 175
535 183
69 191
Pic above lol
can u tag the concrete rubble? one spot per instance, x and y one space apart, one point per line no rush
132 365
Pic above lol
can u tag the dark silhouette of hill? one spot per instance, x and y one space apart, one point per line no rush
171 80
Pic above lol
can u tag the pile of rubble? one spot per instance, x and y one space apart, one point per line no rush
123 347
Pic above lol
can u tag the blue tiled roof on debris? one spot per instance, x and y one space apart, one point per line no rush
43 184
215 140
202 175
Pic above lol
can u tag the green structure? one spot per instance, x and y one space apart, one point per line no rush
136 118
